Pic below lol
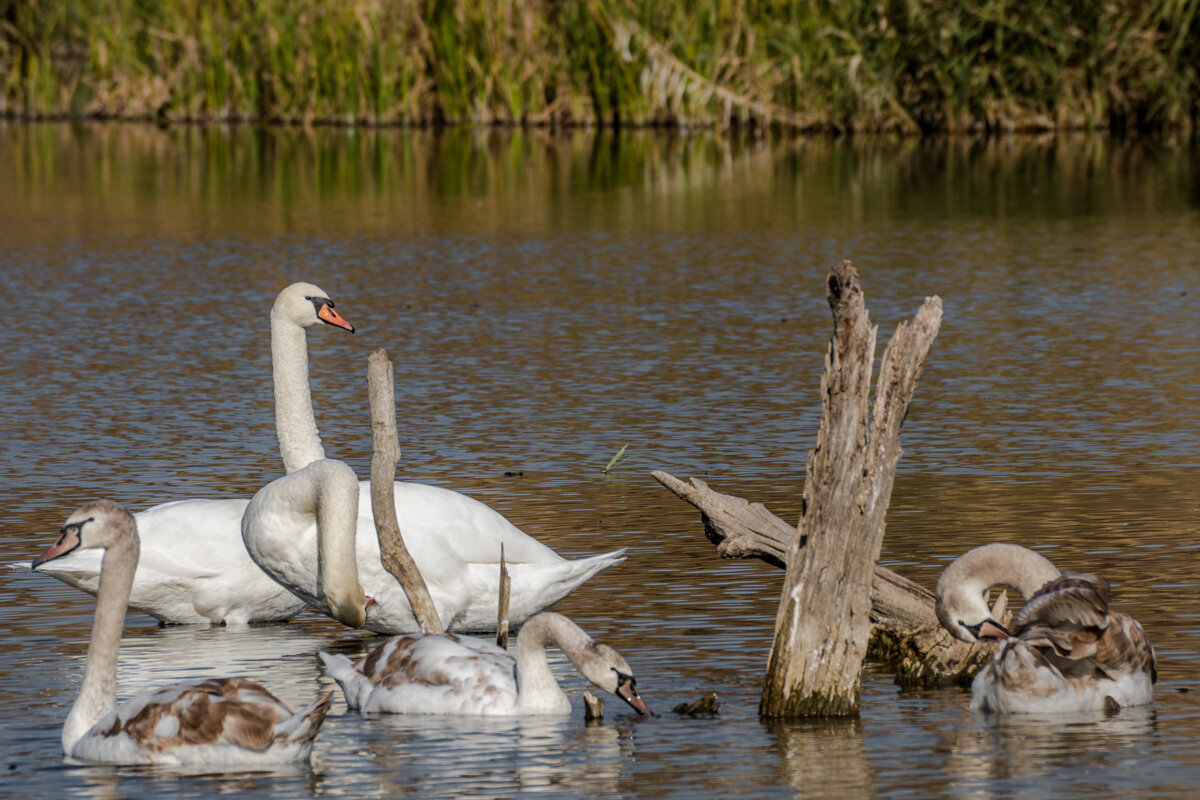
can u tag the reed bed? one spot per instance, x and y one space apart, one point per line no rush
906 66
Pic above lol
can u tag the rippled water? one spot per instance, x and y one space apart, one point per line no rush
548 300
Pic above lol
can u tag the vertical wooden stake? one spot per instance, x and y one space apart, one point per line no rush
502 609
593 708
394 555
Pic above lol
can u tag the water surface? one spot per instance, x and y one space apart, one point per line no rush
546 301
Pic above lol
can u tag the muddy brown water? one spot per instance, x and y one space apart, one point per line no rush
549 299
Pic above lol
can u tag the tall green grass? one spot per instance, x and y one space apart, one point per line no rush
860 65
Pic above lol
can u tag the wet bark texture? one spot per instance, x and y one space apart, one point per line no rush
394 555
823 621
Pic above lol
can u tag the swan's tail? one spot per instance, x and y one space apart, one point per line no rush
304 725
342 670
536 587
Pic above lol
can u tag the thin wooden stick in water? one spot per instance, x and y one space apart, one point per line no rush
502 612
393 553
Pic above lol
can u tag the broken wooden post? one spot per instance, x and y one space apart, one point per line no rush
394 555
593 708
502 608
905 632
823 621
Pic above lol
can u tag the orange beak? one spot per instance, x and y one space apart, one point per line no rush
328 315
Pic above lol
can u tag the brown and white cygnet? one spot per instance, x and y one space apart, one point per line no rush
1066 651
451 674
220 721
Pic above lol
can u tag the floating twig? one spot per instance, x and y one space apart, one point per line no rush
615 458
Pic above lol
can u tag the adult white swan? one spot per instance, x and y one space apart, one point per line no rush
225 721
450 674
313 530
194 567
1066 651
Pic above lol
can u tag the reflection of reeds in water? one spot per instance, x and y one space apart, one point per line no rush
273 180
863 65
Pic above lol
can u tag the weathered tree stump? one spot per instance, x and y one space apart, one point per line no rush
905 632
824 617
823 621
394 555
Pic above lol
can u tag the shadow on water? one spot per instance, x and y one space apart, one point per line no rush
548 299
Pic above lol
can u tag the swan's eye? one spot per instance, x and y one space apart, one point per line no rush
76 527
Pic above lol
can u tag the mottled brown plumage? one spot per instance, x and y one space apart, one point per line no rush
402 665
1070 617
234 710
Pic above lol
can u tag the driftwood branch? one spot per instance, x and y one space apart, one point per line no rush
905 632
395 556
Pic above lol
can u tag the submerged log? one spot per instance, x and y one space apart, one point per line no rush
395 556
905 632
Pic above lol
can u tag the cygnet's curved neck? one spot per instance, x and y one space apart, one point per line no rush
98 692
537 689
1000 564
295 423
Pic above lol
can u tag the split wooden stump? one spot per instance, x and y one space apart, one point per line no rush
834 596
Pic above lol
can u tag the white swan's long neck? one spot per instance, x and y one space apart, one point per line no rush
325 491
537 689
98 693
295 423
336 496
